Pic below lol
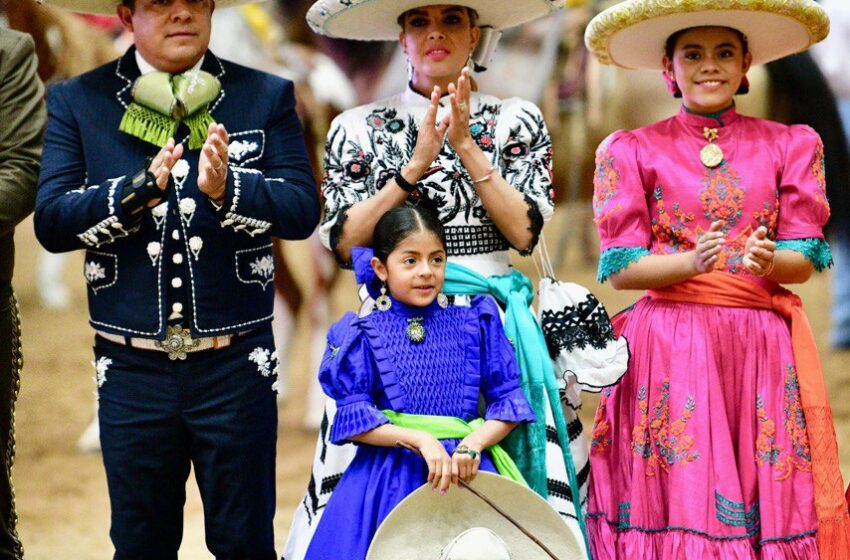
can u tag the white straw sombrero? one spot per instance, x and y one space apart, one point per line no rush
425 523
377 20
632 34
107 7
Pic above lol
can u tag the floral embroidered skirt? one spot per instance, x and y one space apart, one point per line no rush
701 450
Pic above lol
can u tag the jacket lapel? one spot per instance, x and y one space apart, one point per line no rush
215 66
127 71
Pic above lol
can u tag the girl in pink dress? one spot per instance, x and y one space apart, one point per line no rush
705 449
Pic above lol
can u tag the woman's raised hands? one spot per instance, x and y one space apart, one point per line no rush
459 96
431 136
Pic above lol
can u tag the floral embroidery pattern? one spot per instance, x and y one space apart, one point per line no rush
819 172
768 217
94 271
263 266
100 368
722 196
604 184
655 438
267 364
672 231
767 451
601 427
771 453
238 149
795 421
361 160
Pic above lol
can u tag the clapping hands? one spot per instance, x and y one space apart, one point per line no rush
709 245
162 164
759 253
212 165
454 124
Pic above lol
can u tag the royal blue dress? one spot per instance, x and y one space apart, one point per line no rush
371 365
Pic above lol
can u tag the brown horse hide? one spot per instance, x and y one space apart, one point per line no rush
66 45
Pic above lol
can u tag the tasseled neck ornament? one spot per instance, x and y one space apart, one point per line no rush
161 101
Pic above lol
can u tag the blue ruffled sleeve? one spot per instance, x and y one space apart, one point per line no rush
348 376
500 376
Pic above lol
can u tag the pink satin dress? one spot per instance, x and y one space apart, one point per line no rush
701 452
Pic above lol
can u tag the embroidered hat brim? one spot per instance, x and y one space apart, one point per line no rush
632 34
401 535
107 7
377 20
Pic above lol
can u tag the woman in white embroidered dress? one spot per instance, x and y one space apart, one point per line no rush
482 164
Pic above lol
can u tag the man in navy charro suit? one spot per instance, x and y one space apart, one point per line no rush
173 169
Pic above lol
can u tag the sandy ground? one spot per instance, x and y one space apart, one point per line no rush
61 493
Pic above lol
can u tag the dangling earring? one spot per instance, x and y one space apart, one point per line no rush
383 301
470 63
409 69
442 300
672 85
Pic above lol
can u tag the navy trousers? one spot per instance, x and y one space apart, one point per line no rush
215 411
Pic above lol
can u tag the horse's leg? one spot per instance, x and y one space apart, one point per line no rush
287 302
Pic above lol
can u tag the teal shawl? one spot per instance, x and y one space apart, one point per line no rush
526 444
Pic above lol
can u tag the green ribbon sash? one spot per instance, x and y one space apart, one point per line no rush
161 101
526 443
449 427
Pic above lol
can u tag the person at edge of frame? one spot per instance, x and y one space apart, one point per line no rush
23 115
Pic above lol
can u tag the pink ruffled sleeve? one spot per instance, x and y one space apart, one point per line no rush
619 205
803 206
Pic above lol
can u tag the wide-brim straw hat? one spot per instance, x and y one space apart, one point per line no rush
107 7
377 20
425 523
632 34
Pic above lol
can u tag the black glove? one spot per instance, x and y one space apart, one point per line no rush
139 189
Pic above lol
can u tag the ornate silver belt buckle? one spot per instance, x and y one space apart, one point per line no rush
177 343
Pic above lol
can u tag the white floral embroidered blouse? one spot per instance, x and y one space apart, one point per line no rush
368 144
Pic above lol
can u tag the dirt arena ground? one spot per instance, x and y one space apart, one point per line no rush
61 493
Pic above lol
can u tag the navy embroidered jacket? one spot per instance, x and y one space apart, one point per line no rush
212 266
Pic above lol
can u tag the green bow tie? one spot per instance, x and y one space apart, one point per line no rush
161 101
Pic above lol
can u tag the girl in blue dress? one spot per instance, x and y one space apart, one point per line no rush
425 388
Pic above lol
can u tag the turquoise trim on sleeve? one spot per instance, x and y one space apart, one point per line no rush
815 250
614 260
